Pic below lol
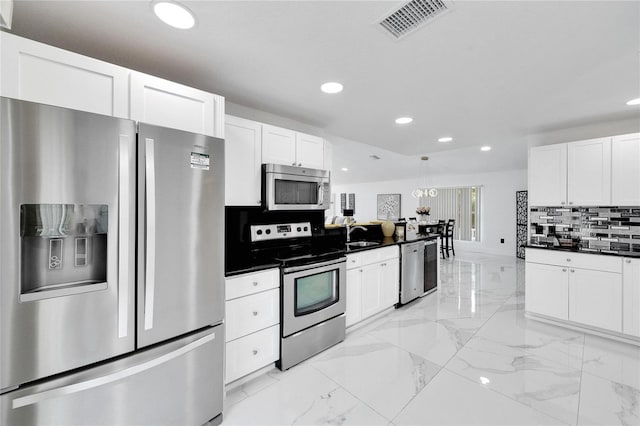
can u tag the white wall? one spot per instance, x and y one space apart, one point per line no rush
498 204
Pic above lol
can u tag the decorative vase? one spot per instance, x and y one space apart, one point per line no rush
388 228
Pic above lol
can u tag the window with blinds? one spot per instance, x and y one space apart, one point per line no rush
461 204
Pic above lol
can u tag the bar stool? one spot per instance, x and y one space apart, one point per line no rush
448 236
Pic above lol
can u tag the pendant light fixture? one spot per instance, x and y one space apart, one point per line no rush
424 191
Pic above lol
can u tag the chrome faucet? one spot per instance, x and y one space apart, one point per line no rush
350 229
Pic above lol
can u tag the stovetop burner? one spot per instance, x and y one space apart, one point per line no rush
291 244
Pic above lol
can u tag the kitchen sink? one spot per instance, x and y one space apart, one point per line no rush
363 244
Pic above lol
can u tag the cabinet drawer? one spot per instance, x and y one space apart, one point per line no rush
248 314
252 352
354 260
378 255
575 260
244 285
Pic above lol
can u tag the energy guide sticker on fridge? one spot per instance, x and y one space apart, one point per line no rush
199 161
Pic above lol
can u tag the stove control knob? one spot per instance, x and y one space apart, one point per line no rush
268 231
306 228
299 229
259 232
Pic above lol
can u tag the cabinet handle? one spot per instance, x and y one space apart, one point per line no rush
562 203
293 164
255 283
628 261
299 164
255 351
573 270
383 264
255 313
564 269
571 202
360 270
353 261
568 259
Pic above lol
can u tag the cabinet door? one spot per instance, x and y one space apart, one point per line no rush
595 298
36 72
168 104
547 291
354 296
328 156
371 290
309 151
250 353
631 297
625 170
548 175
243 151
589 172
278 145
390 282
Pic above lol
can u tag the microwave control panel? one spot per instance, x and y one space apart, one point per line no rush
280 231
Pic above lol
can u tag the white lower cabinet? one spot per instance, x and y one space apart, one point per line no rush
372 282
595 298
252 322
547 290
251 353
631 297
582 288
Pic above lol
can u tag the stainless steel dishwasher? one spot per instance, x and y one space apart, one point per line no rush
412 275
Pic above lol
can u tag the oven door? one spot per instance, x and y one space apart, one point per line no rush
299 191
312 294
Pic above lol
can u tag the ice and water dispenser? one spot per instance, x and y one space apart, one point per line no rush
63 249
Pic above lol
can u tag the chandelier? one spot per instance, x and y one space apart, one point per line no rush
424 191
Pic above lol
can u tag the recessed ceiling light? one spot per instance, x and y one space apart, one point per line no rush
331 87
445 139
344 169
485 148
174 14
404 120
635 101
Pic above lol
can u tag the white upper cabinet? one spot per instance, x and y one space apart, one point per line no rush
589 172
165 103
243 150
37 72
548 175
309 151
284 146
576 173
278 145
625 170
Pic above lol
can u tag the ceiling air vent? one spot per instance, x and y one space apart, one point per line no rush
411 16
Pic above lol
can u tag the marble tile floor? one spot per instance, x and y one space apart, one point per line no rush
464 355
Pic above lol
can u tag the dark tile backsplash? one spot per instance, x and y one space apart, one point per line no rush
595 229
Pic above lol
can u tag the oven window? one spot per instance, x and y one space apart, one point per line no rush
295 192
315 292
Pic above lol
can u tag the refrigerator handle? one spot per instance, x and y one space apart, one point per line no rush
150 233
124 237
104 380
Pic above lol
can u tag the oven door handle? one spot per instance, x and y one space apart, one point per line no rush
314 265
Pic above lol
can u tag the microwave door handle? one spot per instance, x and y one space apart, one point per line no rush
320 194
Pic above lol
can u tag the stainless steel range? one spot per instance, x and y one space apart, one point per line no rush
312 289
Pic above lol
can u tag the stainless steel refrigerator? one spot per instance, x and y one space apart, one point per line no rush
111 270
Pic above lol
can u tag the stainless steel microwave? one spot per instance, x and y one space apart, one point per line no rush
295 188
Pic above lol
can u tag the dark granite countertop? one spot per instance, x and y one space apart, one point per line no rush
252 268
390 241
577 250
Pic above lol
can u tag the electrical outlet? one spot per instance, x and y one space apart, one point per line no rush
501 240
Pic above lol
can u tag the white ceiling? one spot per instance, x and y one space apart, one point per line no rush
488 72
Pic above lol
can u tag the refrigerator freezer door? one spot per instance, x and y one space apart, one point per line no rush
178 383
180 233
67 239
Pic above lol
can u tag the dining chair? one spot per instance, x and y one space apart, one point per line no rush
448 236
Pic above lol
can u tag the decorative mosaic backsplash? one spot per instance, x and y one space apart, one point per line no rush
595 229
